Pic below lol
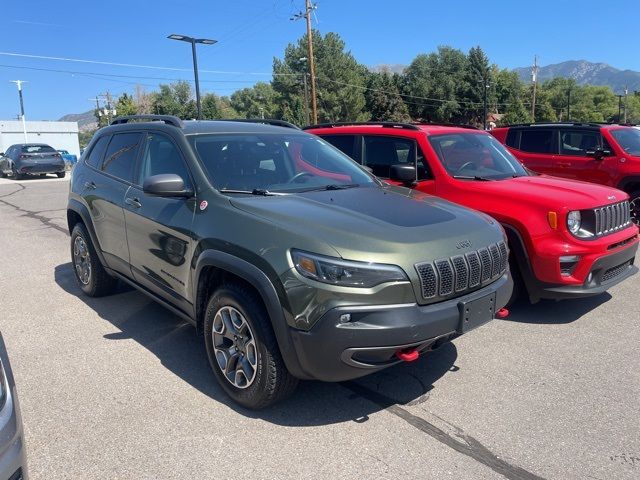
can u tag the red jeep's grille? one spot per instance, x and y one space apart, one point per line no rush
612 218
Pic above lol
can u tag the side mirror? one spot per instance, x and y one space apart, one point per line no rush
597 153
166 185
1 154
403 173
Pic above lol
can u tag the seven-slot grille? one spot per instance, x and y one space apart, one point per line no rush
460 273
612 218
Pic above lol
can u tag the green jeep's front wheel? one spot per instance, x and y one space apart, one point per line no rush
242 348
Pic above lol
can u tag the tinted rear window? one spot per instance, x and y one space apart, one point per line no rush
120 159
537 141
97 152
37 149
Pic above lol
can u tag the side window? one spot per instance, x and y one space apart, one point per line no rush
577 142
162 156
512 138
120 159
382 152
537 141
97 152
345 143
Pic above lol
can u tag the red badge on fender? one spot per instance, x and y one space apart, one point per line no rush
203 204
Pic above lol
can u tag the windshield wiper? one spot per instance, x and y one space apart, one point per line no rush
255 191
475 177
332 186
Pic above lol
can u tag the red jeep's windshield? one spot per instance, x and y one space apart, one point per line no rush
628 139
475 156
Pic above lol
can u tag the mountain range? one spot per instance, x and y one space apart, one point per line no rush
586 73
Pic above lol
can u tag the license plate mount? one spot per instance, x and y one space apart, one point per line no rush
477 312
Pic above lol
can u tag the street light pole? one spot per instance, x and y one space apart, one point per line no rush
24 123
193 41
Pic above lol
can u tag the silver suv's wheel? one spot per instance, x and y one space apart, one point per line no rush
235 347
242 348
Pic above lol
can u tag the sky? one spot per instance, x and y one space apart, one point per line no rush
251 33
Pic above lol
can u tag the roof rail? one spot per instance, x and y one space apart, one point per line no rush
569 124
168 119
443 124
405 126
266 121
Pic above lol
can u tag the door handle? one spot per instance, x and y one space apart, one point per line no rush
134 202
89 186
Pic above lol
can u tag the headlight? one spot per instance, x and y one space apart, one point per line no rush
336 271
574 221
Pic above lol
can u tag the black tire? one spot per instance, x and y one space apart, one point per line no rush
635 207
272 381
2 174
519 289
61 174
98 283
16 175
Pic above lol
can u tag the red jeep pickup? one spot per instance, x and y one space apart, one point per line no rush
567 238
600 153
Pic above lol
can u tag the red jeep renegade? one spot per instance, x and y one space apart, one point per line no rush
567 238
593 152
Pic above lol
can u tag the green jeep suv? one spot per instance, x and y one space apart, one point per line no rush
292 261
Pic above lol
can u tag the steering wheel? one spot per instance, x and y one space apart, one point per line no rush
299 175
465 165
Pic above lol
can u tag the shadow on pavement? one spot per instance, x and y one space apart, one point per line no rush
175 343
551 311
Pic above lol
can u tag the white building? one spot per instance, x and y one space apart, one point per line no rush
60 135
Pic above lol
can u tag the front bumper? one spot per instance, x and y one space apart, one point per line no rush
334 351
605 272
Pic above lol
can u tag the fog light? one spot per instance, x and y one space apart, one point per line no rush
568 264
345 318
590 278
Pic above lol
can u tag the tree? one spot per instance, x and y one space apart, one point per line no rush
125 105
175 99
255 102
340 81
509 92
438 84
383 99
478 74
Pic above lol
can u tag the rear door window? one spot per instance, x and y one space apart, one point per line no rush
120 159
537 141
579 142
381 152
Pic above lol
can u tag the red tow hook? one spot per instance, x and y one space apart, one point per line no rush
502 313
407 354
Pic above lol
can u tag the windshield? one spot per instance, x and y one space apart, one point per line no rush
475 156
628 139
37 149
275 162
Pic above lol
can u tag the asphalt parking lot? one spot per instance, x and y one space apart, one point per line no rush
118 387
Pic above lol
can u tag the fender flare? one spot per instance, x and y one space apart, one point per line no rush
80 209
261 282
518 247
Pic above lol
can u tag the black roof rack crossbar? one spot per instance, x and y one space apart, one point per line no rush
168 119
406 126
266 121
570 123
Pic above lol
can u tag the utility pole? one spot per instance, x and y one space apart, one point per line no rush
306 93
484 83
619 107
569 105
534 79
24 123
309 7
626 91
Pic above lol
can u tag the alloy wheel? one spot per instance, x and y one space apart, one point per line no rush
635 210
82 260
235 347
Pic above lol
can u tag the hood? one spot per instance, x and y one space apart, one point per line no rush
551 192
390 224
